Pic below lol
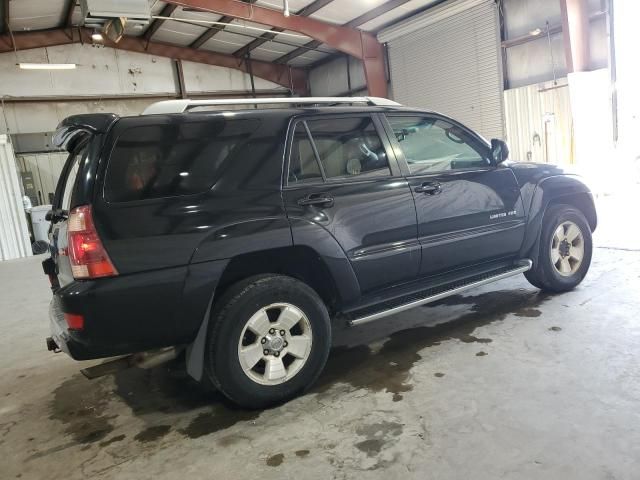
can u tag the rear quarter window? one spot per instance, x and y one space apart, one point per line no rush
155 161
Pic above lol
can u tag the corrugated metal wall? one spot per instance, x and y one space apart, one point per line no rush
539 123
448 59
14 236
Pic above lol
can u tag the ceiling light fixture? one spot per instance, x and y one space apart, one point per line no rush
535 32
47 66
286 8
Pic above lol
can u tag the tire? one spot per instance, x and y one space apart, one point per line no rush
244 319
561 266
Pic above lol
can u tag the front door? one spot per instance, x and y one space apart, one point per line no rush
469 211
341 178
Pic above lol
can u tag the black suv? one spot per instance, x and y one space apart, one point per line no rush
239 236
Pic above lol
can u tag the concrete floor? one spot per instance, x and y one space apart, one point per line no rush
504 382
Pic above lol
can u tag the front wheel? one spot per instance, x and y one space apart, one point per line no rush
565 250
269 340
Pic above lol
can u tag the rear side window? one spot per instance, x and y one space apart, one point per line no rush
155 161
349 147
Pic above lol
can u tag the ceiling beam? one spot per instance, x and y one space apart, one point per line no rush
211 32
214 30
294 78
344 39
356 22
348 40
167 11
267 36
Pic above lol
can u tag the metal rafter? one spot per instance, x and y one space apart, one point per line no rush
294 78
210 33
213 30
348 40
167 11
267 36
356 22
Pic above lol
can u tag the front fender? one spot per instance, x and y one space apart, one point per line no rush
569 189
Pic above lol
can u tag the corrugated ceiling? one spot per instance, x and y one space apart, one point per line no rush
38 15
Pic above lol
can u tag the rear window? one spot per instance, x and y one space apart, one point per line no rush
155 161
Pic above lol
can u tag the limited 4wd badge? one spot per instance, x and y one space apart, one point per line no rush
510 213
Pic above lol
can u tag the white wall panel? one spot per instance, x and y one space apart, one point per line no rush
331 78
14 236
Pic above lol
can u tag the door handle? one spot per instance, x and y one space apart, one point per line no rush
319 199
430 188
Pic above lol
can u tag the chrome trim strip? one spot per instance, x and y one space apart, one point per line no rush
369 318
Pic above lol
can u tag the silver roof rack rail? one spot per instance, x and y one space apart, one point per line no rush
181 106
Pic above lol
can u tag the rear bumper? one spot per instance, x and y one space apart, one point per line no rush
122 315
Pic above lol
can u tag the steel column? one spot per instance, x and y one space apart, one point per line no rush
575 25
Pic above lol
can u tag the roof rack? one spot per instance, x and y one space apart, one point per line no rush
181 106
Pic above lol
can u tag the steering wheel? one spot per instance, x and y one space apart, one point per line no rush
367 152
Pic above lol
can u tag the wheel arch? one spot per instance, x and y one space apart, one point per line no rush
557 190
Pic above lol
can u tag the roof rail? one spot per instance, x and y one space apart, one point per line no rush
181 106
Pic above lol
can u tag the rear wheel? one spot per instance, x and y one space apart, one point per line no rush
269 340
565 250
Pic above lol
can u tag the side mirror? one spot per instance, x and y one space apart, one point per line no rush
499 151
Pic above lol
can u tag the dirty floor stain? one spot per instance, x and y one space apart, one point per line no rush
275 460
388 369
80 406
302 453
109 441
152 434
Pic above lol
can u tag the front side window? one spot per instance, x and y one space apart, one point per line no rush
349 147
155 161
432 145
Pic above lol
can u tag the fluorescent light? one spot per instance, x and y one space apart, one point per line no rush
47 66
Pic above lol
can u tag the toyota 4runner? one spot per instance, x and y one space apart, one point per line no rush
238 235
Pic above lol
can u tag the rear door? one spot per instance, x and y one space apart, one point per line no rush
61 206
342 178
469 211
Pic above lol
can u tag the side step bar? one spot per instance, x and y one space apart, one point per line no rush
523 266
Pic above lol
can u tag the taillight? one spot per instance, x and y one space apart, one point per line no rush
74 321
88 257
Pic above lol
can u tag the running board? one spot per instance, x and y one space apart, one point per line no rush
522 266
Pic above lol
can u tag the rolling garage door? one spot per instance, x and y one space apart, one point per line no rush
448 59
